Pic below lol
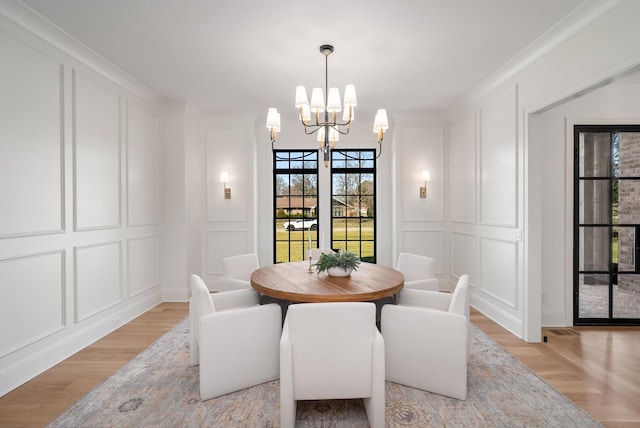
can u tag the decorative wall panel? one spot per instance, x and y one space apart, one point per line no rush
224 244
463 255
228 150
142 165
425 243
32 304
462 170
422 148
96 154
31 163
499 160
142 262
98 278
498 270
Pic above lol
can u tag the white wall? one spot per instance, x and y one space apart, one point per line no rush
181 202
616 103
244 223
82 250
485 221
79 192
419 224
591 47
483 215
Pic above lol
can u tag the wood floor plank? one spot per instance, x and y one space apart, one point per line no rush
597 368
42 399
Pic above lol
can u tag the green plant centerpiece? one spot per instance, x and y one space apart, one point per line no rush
341 263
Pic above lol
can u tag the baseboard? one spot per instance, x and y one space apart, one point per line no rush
175 295
495 313
39 357
554 319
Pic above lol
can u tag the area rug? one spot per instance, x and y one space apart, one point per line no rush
158 388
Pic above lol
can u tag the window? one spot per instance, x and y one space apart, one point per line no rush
353 202
295 182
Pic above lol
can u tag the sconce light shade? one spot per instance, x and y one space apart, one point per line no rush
224 178
425 175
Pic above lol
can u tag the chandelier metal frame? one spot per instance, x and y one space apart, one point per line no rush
325 110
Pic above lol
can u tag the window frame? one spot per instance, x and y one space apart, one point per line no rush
292 160
360 170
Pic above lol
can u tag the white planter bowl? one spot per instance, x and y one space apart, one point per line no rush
338 271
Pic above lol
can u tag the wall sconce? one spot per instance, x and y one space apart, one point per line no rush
224 178
425 177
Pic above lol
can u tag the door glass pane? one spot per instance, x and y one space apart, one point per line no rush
339 183
368 232
595 154
594 202
625 154
626 297
353 230
623 247
594 296
615 217
628 207
594 249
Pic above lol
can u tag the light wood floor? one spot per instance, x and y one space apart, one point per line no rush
597 368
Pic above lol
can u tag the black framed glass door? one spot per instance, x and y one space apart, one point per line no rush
607 225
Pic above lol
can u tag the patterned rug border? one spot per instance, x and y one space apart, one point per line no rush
125 399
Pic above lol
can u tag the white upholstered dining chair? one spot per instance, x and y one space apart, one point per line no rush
236 272
316 252
332 351
417 271
426 340
233 339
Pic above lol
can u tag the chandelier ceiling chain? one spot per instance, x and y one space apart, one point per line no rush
325 112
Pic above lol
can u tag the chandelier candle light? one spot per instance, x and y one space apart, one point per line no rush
325 113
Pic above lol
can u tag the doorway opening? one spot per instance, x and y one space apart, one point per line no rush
606 225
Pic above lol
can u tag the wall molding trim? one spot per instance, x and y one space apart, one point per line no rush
75 340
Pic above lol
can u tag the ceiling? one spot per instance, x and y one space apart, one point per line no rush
243 56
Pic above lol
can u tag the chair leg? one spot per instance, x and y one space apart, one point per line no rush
194 349
287 413
375 405
287 397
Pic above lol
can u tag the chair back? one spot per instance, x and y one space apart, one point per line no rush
240 267
414 266
460 298
315 253
332 349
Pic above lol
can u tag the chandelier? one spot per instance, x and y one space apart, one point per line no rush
320 116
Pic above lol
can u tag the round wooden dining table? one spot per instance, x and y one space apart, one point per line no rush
293 282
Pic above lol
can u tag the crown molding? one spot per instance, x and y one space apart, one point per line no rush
25 17
581 17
